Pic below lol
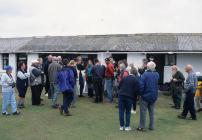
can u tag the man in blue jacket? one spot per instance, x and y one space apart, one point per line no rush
149 95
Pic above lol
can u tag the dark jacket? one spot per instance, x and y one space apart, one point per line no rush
98 72
180 80
149 86
75 72
46 66
129 86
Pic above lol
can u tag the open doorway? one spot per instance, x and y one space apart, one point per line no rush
118 57
159 59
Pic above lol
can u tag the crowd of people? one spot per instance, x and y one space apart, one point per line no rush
130 84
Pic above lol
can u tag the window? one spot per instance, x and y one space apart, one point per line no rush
170 59
21 58
5 57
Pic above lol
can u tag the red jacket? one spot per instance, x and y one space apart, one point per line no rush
109 73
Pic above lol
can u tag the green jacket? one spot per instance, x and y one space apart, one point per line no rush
180 80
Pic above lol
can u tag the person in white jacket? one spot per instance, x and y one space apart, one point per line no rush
8 94
22 84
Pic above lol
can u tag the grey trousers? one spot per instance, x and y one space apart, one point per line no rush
143 114
75 95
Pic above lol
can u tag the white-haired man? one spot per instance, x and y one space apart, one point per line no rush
177 84
53 69
149 95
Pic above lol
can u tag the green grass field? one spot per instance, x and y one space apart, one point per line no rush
95 122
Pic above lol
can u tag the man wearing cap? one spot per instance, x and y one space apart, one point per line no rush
8 92
35 82
109 76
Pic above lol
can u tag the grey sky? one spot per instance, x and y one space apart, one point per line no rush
73 17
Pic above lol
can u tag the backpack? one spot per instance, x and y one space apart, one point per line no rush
65 79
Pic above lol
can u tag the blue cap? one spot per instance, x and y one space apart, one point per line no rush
8 68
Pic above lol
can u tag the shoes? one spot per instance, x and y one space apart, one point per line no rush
151 129
81 96
121 128
141 129
54 106
199 110
128 128
181 117
133 111
173 106
96 102
5 114
67 114
16 113
191 118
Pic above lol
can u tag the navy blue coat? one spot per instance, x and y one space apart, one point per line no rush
129 86
149 86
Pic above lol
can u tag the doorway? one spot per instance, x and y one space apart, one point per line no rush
159 59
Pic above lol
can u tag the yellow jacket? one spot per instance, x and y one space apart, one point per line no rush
199 88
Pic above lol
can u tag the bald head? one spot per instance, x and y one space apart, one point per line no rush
50 58
54 58
188 68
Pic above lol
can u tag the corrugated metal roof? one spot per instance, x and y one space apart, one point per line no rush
130 42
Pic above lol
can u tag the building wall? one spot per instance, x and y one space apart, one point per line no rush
13 63
136 59
30 58
102 56
194 59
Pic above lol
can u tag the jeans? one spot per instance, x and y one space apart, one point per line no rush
109 88
54 92
8 98
125 105
67 100
143 112
189 105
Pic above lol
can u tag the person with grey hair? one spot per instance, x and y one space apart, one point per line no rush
148 95
190 89
177 84
53 69
35 82
128 90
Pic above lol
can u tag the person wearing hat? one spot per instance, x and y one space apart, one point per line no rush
8 92
35 82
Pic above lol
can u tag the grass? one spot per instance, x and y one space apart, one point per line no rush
94 122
